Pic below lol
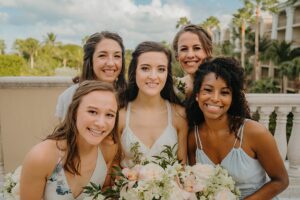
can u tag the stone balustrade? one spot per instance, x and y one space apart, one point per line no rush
27 106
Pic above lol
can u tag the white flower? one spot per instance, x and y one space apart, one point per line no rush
225 194
151 171
203 171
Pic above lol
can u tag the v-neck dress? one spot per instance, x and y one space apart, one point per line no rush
128 138
57 187
246 171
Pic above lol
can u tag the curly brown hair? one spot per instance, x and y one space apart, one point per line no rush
232 73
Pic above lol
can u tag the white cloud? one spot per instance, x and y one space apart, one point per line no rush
71 20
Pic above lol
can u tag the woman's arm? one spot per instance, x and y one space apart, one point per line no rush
36 167
182 128
266 151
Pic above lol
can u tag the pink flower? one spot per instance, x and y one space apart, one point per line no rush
133 173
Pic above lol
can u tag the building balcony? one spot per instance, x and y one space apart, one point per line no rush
27 107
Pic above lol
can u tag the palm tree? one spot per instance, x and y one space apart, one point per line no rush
286 59
182 21
50 38
259 5
210 23
240 19
28 47
2 47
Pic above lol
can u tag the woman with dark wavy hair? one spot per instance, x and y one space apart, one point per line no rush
221 131
152 117
70 158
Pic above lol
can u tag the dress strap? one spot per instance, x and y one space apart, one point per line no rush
128 114
169 109
197 137
240 134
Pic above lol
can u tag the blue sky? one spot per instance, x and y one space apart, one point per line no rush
134 20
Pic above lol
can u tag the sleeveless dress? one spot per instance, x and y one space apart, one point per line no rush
64 100
246 171
57 187
168 137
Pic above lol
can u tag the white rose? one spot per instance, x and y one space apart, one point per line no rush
225 194
151 171
203 171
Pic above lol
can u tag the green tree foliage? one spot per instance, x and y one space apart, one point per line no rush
182 21
50 39
11 65
2 47
28 48
264 86
259 6
210 23
241 18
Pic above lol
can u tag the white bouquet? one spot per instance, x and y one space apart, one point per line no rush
209 182
164 178
11 186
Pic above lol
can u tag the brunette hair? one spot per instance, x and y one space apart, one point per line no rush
150 46
89 49
67 129
203 35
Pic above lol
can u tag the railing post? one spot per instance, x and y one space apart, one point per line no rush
293 151
264 113
280 130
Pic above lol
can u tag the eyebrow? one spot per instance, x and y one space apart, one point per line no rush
104 51
110 110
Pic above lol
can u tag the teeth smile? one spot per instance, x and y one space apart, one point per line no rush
213 107
96 132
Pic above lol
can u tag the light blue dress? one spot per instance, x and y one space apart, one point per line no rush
57 187
168 137
247 172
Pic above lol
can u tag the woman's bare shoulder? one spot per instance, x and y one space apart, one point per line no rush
44 155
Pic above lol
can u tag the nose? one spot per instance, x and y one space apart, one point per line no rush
190 53
110 61
216 96
100 121
153 74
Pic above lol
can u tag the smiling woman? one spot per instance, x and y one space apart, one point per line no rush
70 158
152 118
221 131
103 60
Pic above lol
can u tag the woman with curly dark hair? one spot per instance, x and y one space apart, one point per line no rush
221 131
